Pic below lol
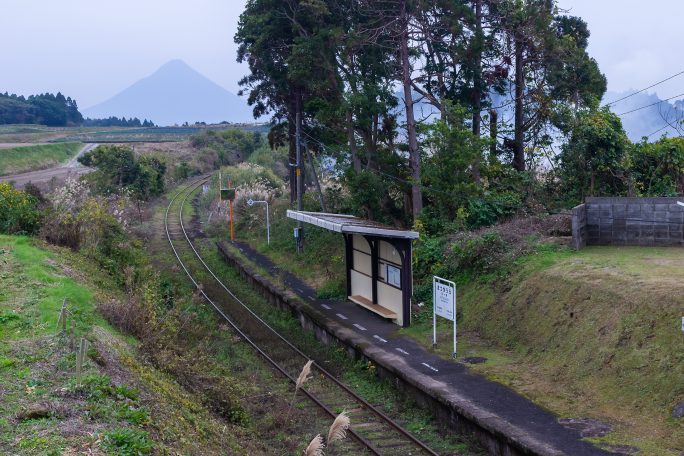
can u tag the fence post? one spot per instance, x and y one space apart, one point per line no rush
80 357
61 320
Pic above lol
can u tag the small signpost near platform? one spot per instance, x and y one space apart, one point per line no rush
444 305
250 203
227 194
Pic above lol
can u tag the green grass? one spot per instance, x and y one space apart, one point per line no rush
594 333
143 409
29 158
34 289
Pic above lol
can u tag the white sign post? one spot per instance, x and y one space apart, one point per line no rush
250 203
444 305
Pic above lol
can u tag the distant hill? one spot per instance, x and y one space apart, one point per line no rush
175 94
647 121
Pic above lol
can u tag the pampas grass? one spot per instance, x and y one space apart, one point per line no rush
338 430
304 376
316 446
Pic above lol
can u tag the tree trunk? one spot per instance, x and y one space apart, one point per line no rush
414 154
292 156
519 142
356 162
321 199
493 133
477 87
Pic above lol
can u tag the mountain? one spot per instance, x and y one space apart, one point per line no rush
175 94
652 120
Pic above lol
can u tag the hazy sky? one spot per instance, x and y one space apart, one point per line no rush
92 49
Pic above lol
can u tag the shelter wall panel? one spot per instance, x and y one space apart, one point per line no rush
360 243
361 285
389 253
391 298
362 262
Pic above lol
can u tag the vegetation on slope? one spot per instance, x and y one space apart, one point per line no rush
29 158
124 406
586 334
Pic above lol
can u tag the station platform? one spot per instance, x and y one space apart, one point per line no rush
489 402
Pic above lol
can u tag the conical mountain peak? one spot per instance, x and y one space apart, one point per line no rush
174 94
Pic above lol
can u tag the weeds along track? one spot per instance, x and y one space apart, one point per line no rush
371 430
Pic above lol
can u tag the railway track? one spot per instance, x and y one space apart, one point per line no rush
372 431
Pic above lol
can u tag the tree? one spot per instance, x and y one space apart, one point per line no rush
118 169
592 163
657 169
551 69
284 43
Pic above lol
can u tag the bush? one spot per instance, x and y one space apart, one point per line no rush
19 213
229 146
479 254
333 289
492 208
127 442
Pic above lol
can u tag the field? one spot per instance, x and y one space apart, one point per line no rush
27 158
33 134
147 135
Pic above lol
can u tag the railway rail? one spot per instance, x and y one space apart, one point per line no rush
374 431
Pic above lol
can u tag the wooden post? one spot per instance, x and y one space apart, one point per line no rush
230 205
349 257
80 358
61 320
374 246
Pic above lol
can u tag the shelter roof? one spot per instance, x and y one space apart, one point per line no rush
350 224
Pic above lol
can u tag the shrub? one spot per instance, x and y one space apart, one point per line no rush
137 416
18 211
492 208
333 289
127 442
477 253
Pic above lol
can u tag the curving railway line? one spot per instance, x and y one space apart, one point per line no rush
372 431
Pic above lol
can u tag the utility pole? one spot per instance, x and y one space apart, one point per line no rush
298 173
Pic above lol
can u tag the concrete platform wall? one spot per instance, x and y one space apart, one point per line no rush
628 221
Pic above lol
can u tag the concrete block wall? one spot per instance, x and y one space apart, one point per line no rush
579 226
629 221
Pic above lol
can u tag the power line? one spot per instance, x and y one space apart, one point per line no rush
644 89
652 104
659 130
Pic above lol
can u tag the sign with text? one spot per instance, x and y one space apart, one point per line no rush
445 299
444 305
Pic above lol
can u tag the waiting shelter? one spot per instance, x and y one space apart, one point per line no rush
378 260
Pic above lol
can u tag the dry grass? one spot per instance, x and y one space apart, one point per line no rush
592 334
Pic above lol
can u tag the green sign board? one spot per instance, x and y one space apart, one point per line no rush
227 194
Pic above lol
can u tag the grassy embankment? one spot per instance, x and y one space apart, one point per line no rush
124 407
590 334
29 158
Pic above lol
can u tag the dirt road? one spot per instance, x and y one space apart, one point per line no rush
44 177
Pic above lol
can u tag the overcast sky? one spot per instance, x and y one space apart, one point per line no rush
90 50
